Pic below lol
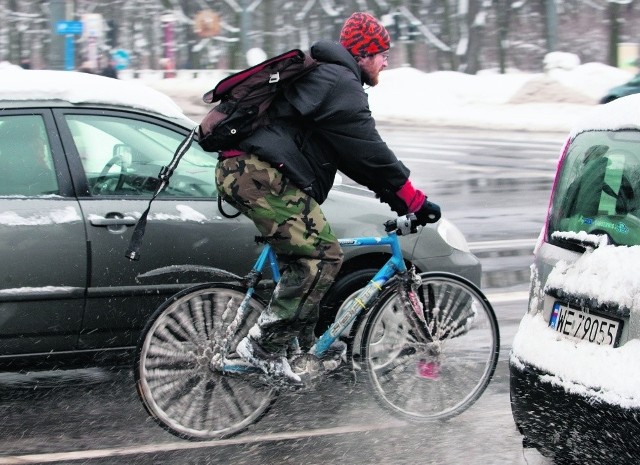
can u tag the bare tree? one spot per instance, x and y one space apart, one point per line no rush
460 35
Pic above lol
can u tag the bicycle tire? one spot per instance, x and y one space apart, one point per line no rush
434 372
174 380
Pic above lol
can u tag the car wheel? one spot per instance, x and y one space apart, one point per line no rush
564 459
342 288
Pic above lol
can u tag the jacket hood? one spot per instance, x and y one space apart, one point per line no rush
332 52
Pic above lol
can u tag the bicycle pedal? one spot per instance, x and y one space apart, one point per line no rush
335 355
306 364
310 369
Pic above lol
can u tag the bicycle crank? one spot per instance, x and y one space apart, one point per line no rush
310 369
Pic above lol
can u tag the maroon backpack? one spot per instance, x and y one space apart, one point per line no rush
245 97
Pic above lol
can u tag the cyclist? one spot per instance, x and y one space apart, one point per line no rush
280 174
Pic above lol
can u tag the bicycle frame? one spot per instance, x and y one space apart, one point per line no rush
394 266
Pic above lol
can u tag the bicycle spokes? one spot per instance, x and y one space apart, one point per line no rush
179 368
444 311
430 355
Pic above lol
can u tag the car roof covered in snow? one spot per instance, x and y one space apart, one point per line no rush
622 113
83 88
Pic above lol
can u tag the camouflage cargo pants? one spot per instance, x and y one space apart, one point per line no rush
299 233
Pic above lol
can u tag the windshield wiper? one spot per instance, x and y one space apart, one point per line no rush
580 241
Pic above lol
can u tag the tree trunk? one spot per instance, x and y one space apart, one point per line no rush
476 29
551 25
502 18
614 33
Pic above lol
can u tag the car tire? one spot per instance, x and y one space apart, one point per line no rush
564 459
342 288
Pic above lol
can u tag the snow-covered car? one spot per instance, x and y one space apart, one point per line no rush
79 160
630 87
575 360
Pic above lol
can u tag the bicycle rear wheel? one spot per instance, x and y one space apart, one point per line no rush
436 365
173 372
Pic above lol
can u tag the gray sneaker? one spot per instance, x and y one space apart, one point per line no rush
274 365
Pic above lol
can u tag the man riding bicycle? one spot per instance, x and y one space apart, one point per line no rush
279 176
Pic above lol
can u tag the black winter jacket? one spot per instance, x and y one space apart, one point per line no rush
323 125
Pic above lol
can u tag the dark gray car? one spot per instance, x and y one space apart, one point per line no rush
79 159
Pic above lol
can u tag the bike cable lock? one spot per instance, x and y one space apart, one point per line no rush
133 252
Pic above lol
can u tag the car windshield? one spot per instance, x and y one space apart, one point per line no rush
597 187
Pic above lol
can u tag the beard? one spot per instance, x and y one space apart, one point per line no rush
369 78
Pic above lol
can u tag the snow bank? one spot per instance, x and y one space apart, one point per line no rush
550 101
590 79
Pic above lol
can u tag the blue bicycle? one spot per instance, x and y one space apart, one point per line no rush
429 343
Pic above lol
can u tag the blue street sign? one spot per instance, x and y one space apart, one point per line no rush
68 27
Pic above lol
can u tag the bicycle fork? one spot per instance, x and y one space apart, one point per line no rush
413 302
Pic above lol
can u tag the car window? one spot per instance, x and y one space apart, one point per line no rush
26 166
598 188
123 156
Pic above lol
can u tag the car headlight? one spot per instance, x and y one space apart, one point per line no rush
452 235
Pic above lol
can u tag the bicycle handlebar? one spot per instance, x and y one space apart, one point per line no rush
403 225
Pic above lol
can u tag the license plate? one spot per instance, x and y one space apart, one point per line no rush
584 326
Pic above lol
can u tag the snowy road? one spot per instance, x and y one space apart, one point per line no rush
94 416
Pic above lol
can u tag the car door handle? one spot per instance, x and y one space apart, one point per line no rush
101 221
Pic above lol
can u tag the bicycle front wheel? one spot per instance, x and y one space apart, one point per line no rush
433 362
174 375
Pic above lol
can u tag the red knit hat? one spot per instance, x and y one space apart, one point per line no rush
363 35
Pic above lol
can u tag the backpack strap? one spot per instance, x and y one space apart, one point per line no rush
133 252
